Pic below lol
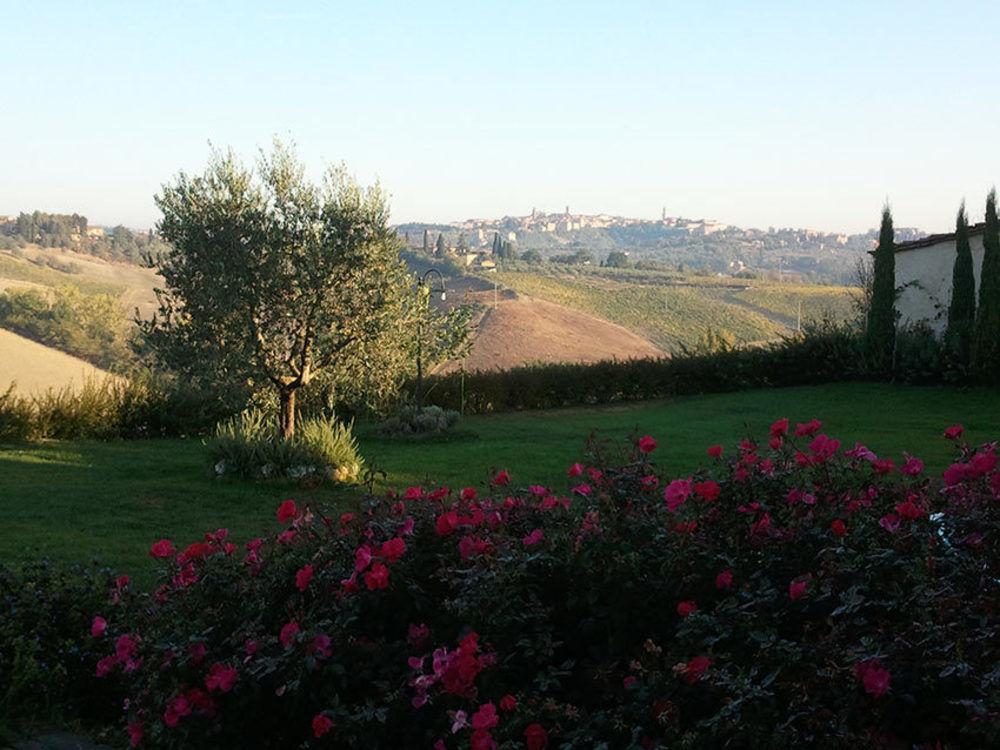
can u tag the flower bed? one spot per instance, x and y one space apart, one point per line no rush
794 593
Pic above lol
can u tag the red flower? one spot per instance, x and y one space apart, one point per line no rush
481 739
446 523
287 511
883 466
177 709
677 493
708 491
686 608
535 737
221 677
695 669
780 428
321 724
468 493
909 510
575 470
393 549
195 551
135 733
724 580
533 538
913 466
508 703
838 527
162 549
98 626
797 589
808 428
873 676
289 632
502 479
647 444
954 432
303 577
486 717
714 451
377 577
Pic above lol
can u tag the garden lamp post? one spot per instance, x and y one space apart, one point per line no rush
424 288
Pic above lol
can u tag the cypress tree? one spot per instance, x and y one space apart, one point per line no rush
986 342
496 244
427 243
880 334
441 248
962 310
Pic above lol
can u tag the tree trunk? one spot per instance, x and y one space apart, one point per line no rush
287 412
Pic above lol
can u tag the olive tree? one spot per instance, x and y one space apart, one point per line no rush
272 280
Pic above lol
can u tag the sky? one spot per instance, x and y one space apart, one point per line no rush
786 114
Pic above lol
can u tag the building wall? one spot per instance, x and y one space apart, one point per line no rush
924 277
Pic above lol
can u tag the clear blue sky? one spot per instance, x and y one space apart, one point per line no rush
766 113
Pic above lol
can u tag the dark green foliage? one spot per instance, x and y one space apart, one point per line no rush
825 354
47 654
617 259
273 280
90 326
142 407
880 334
427 243
441 248
962 309
986 344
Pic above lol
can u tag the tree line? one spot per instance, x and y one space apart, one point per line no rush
69 231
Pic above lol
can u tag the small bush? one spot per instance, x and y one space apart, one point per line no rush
249 445
17 421
413 422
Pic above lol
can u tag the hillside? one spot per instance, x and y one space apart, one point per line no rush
52 267
34 368
671 313
523 330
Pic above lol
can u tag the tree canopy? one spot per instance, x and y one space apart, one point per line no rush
272 280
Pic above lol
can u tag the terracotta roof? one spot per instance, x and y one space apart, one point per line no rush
934 239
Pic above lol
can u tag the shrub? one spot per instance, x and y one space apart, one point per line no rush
47 650
139 407
16 417
413 422
827 353
794 595
250 445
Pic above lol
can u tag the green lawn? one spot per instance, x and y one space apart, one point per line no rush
77 500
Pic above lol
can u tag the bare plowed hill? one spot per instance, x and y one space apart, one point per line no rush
523 330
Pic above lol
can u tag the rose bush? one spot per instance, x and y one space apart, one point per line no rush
795 592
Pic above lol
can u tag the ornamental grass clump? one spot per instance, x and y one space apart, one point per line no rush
793 592
249 445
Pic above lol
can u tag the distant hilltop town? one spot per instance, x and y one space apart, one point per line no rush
696 244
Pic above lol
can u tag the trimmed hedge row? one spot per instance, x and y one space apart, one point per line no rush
824 355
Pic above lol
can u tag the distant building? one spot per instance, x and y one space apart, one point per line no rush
924 271
95 231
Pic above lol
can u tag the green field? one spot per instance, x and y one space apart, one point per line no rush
73 501
671 312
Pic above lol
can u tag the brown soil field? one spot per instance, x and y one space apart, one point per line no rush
524 330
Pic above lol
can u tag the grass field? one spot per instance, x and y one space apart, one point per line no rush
671 312
76 501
